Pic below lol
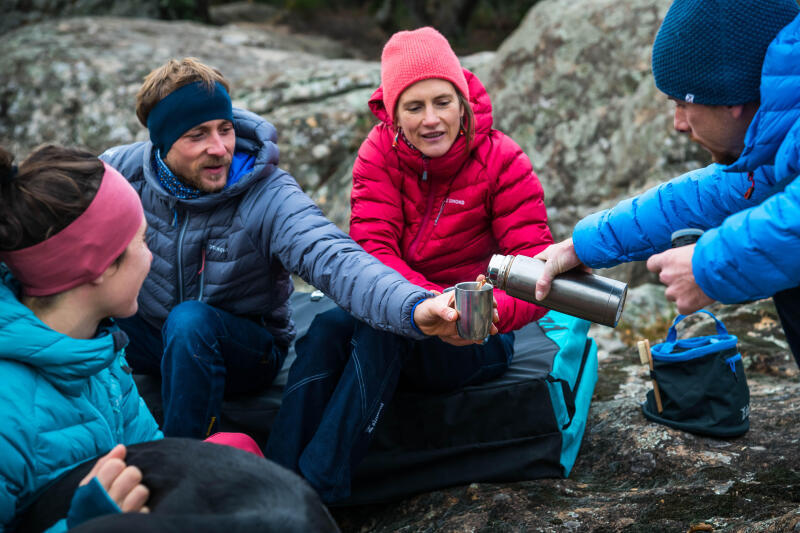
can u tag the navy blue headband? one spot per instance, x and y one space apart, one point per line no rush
185 108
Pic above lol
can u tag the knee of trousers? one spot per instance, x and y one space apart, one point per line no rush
192 319
328 336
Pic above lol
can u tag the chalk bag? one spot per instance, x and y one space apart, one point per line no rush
701 382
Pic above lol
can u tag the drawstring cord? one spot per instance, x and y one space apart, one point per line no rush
752 187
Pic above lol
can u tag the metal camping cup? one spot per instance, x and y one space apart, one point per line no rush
475 308
575 293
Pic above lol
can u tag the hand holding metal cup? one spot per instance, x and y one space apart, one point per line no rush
474 301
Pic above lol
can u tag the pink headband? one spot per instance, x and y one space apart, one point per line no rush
83 250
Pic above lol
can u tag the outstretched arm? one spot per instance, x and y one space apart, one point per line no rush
296 232
641 226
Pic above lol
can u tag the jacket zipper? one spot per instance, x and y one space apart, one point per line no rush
441 208
202 271
181 236
428 209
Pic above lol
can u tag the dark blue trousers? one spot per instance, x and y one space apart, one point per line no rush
788 304
202 355
342 381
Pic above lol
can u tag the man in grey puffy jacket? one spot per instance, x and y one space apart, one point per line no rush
227 227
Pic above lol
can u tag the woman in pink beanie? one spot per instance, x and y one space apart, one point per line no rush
436 192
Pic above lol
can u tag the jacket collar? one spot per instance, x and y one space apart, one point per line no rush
773 134
62 360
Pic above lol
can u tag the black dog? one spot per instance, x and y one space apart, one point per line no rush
197 486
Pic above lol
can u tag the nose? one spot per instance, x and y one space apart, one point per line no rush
430 118
679 121
216 146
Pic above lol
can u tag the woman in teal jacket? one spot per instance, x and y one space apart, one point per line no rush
73 253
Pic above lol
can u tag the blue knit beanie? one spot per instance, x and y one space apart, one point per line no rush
711 51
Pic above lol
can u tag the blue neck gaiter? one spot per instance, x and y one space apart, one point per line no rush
171 183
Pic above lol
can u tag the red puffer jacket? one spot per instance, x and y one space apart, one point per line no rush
438 221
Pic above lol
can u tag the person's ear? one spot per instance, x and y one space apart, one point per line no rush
112 268
736 111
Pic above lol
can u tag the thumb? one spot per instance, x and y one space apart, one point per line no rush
445 310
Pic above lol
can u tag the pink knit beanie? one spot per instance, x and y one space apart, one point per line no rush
412 56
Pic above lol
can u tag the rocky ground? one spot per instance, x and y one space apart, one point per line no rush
633 475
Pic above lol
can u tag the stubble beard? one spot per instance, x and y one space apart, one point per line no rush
197 181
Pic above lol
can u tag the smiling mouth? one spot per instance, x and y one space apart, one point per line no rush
433 136
216 169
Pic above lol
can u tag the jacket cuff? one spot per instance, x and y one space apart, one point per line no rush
414 324
90 501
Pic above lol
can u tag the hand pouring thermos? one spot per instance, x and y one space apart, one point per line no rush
575 293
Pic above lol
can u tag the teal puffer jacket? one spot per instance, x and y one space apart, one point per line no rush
751 209
63 401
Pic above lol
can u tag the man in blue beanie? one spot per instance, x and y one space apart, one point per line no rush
227 227
732 67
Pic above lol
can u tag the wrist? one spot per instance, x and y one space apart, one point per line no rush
90 501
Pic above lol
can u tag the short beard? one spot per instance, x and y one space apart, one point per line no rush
198 184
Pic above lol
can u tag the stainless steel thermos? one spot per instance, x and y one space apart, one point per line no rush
575 293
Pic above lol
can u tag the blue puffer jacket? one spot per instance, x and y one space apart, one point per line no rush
751 248
63 401
235 249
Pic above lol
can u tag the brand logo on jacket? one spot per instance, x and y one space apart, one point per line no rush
454 201
371 426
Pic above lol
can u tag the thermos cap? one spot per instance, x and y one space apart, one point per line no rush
685 236
498 269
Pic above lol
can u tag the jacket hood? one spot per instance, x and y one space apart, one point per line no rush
772 136
254 136
62 360
478 100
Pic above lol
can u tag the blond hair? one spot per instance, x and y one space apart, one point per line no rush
170 76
